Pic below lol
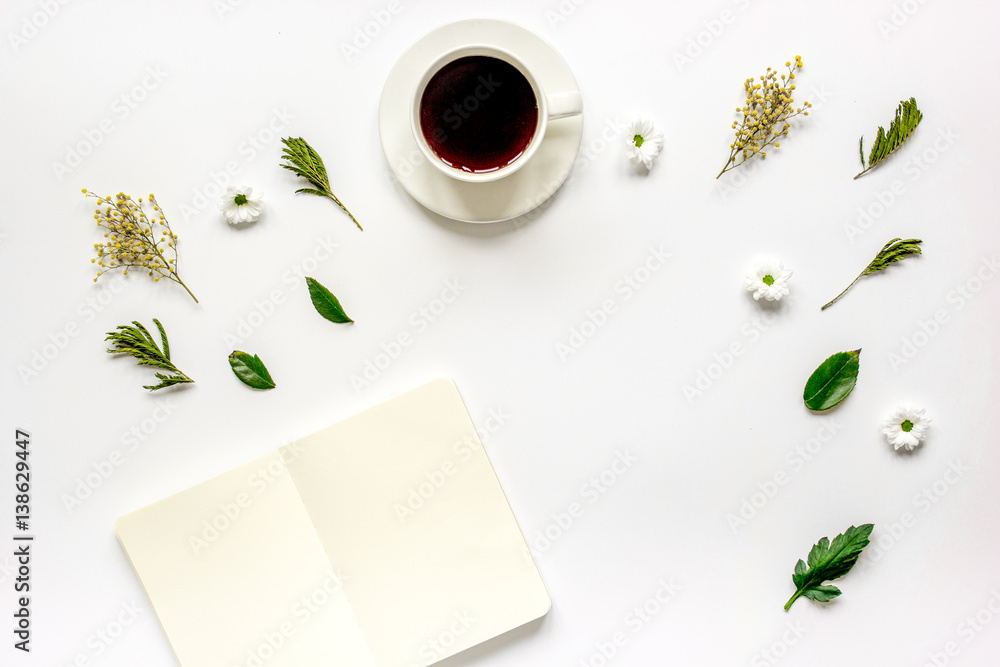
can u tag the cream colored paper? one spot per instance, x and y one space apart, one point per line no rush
384 540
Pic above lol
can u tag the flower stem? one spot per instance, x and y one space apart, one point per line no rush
795 597
338 202
870 167
842 293
181 283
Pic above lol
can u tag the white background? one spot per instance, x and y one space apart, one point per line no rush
527 285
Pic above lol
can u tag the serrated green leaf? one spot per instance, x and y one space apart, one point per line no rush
831 383
137 342
894 251
816 553
326 303
821 593
829 561
303 160
163 337
908 116
250 370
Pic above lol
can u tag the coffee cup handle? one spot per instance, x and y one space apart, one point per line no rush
563 105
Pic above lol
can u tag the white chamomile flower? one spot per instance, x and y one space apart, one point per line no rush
644 142
241 204
768 279
906 427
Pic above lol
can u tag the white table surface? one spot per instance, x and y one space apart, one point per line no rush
524 287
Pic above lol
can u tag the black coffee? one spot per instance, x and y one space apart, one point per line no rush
478 113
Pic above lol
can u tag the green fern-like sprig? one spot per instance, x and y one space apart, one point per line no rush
136 342
300 158
894 251
908 116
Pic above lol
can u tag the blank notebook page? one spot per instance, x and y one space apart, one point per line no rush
382 540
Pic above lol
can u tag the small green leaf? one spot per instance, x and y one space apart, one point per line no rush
303 160
832 381
250 370
886 143
137 342
821 593
894 251
829 561
326 303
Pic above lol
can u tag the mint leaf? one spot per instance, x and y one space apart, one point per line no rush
832 381
326 303
828 561
250 370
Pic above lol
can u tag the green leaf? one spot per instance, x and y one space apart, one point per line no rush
250 370
832 381
137 342
894 251
829 561
326 303
303 160
821 593
886 143
163 337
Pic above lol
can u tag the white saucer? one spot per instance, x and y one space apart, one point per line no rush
478 202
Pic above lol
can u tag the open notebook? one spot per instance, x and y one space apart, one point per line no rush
384 540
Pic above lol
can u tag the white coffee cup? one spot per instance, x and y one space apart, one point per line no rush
550 106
